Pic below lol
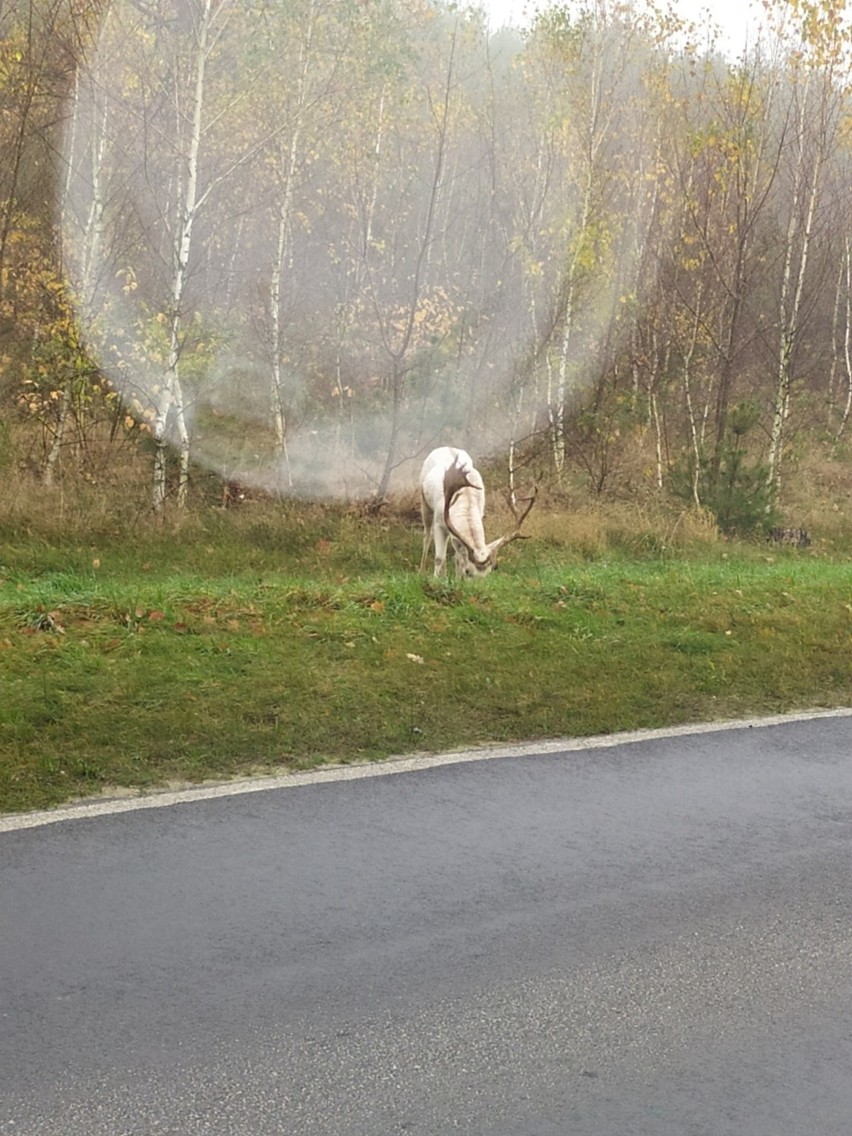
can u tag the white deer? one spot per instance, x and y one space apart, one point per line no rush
452 503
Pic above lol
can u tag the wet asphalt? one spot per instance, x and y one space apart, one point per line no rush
640 939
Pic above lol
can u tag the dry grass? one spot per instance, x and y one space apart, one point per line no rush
592 529
817 496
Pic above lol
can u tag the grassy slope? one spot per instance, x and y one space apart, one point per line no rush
296 639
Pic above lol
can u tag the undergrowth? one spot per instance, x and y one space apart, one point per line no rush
284 638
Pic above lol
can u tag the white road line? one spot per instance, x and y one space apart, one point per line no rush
406 764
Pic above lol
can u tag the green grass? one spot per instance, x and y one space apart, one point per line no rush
289 640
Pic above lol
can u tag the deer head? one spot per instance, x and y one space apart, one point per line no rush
474 555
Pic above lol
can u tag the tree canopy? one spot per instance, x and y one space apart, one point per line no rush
302 243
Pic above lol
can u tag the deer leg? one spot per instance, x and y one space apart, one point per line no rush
428 520
441 537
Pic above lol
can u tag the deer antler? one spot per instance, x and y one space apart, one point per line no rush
455 478
519 517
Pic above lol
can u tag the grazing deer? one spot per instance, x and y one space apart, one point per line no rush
452 502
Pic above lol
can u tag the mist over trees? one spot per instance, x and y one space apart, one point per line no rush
300 243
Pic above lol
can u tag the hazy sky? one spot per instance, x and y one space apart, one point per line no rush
733 16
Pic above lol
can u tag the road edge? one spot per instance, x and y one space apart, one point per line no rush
411 763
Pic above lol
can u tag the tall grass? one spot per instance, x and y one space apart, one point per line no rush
138 654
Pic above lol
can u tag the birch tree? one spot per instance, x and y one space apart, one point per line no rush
841 339
398 301
207 20
594 63
728 171
187 125
819 77
312 42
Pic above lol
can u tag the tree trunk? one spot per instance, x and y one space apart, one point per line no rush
171 399
790 305
847 341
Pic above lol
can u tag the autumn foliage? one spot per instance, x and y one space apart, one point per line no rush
296 246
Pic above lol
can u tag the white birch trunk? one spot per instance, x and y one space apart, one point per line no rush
790 306
279 413
557 411
52 458
288 168
170 401
696 436
847 342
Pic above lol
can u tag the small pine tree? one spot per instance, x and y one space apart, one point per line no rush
740 496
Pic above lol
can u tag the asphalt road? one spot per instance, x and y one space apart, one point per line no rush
645 938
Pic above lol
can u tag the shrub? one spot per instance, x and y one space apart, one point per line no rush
738 492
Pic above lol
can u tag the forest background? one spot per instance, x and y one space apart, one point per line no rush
298 244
